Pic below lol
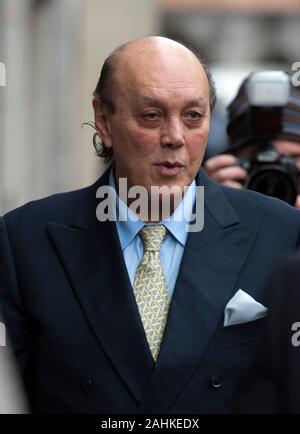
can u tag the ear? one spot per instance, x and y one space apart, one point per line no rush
102 123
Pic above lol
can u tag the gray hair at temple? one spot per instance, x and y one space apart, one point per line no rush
104 86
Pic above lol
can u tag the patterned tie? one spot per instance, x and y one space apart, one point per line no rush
150 288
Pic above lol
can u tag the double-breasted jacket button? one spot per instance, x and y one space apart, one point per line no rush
216 381
86 385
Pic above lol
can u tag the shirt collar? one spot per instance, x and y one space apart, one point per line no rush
128 228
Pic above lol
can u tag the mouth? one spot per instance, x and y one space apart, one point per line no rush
169 168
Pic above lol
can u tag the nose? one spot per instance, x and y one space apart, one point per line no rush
172 133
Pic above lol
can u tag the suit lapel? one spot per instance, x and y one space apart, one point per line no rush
92 259
206 281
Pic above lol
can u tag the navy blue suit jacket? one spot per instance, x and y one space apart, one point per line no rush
74 323
272 383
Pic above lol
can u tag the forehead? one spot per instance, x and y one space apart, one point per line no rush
163 73
170 98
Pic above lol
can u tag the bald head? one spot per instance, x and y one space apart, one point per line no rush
153 57
134 57
147 62
150 48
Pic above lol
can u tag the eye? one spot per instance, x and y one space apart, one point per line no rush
150 116
193 115
150 119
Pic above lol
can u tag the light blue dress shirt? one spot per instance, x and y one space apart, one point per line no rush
172 248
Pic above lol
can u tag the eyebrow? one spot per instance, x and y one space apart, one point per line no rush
145 100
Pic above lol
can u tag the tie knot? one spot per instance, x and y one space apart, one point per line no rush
153 236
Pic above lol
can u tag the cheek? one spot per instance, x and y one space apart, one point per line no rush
196 145
144 142
134 143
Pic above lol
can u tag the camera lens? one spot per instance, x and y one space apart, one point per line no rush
273 181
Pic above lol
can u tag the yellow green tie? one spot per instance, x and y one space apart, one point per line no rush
150 288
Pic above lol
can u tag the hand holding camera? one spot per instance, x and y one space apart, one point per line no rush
225 169
233 172
264 115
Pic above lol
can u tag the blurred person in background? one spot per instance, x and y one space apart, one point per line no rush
258 129
264 138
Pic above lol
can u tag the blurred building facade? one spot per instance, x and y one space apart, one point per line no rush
53 51
240 31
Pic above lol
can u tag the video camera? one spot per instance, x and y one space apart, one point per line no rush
266 108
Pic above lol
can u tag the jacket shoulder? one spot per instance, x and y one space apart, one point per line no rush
58 207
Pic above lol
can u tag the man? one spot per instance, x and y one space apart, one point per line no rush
128 317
